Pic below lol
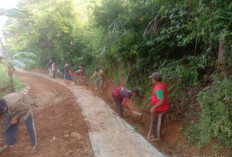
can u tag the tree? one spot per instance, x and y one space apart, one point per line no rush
221 56
11 60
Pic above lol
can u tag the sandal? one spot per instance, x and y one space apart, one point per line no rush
153 139
3 149
33 150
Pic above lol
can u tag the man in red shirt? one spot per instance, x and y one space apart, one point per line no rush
121 96
159 107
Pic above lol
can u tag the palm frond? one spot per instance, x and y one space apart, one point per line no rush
14 12
24 55
16 63
27 60
152 26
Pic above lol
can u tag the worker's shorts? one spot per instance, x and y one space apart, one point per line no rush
67 77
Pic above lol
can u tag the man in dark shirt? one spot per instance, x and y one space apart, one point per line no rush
67 77
66 68
121 96
79 75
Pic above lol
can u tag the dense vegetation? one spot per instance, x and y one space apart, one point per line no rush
178 38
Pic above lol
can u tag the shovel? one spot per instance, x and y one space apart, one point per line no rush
6 129
135 113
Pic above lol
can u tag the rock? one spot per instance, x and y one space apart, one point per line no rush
73 141
53 139
66 136
76 135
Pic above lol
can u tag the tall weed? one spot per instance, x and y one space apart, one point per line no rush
215 116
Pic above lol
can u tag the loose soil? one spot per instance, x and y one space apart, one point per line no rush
56 117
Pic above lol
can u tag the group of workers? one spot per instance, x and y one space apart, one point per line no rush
79 76
16 106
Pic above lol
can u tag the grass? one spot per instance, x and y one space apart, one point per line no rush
3 76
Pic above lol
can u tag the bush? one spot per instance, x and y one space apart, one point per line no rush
3 76
215 117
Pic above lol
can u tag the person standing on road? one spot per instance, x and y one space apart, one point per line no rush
79 75
99 83
121 96
67 76
53 70
160 107
16 106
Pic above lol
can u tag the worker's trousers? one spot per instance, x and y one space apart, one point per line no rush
157 120
118 105
99 83
10 135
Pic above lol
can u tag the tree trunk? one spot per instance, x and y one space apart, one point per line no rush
10 81
221 56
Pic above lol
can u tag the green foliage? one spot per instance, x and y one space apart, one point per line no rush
20 59
228 50
46 32
18 85
4 80
3 76
215 117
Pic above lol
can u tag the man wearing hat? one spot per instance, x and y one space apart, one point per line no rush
16 106
121 96
159 107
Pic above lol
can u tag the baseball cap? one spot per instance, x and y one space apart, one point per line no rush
156 76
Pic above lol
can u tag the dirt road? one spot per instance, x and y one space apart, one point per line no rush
58 117
60 126
109 134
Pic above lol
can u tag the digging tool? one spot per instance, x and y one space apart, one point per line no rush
6 129
134 113
8 126
138 114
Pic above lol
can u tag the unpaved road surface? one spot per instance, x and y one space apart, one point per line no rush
58 121
110 135
59 116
